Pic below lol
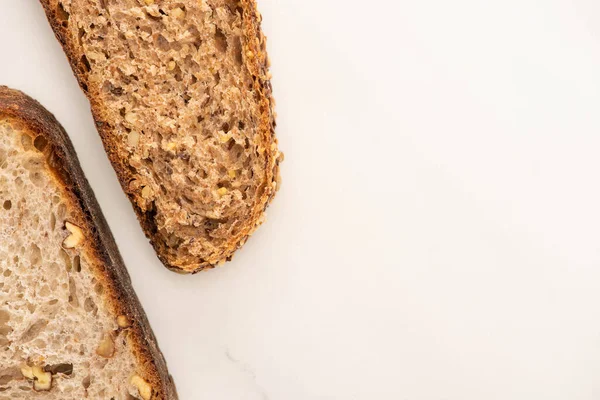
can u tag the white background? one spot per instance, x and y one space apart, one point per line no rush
437 236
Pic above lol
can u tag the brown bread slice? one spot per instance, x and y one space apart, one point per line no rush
181 96
71 326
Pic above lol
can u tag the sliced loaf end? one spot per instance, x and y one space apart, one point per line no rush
181 94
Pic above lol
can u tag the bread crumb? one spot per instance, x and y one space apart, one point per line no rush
222 191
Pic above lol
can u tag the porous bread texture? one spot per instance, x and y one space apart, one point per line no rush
181 94
54 312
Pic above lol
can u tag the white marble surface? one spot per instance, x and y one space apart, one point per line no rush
437 236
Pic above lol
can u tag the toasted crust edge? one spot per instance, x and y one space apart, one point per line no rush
258 65
17 106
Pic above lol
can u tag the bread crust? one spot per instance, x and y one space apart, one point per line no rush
258 65
63 162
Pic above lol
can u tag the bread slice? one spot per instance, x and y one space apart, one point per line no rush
181 96
71 326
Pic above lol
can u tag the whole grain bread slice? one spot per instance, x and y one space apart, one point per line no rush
181 95
71 326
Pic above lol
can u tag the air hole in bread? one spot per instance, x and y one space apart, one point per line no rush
7 204
35 254
77 263
230 143
237 151
189 181
45 291
187 199
65 369
89 306
37 179
34 164
8 375
34 330
162 43
86 382
178 74
220 40
80 35
73 300
40 143
62 14
67 260
4 318
146 29
52 221
26 142
53 160
85 63
211 224
36 221
99 288
61 211
237 51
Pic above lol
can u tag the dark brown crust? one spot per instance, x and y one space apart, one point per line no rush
257 62
63 161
